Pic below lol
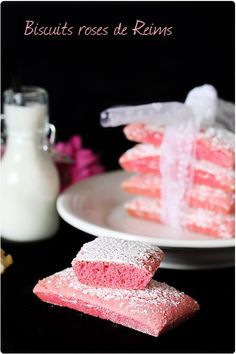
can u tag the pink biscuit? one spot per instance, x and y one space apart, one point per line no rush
115 263
196 220
199 196
145 158
153 310
213 144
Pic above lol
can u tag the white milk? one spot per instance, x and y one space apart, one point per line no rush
29 179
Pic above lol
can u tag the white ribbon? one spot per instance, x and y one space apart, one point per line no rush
157 113
177 151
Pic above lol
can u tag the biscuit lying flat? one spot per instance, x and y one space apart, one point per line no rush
153 310
213 144
199 196
116 263
145 158
196 220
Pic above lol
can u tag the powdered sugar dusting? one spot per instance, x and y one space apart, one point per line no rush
150 180
212 142
218 171
155 292
205 191
148 184
152 310
140 151
108 249
219 137
150 126
218 225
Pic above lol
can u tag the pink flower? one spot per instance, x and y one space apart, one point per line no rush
84 163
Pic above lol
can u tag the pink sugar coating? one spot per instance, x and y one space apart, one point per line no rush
116 263
153 310
196 220
199 196
213 144
145 158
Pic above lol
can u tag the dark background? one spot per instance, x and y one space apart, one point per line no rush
84 76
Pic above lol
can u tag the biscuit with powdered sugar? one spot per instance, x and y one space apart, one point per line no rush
145 158
193 219
117 263
213 144
198 196
153 310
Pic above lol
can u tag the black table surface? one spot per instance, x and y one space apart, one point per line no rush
29 325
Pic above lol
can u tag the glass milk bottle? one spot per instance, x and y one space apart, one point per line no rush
29 179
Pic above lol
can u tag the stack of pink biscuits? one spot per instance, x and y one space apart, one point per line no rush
210 200
111 279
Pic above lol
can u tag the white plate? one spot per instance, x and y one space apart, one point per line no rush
96 207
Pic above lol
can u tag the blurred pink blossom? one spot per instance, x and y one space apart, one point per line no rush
84 163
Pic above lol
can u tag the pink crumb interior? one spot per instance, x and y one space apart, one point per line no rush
110 275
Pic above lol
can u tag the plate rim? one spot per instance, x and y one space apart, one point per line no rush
97 230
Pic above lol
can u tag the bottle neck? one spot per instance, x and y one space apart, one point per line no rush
21 137
25 122
25 125
24 145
